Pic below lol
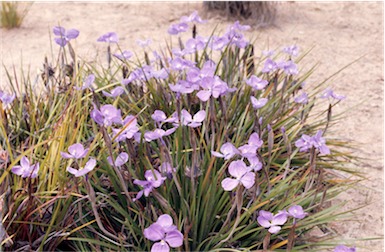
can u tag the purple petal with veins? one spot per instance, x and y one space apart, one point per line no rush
258 103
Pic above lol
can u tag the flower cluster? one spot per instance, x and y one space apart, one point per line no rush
306 142
77 151
243 174
274 222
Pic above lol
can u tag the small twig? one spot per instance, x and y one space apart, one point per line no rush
91 194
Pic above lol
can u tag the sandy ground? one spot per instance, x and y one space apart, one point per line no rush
340 32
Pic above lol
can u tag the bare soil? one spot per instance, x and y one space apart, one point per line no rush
340 33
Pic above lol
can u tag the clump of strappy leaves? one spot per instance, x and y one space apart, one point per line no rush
204 145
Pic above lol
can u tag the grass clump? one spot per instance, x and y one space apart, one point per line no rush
11 15
207 145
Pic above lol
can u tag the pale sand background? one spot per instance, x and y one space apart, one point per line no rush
340 31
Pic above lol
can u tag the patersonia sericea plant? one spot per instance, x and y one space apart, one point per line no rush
217 134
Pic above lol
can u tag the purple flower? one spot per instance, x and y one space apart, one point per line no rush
143 43
255 164
234 35
90 165
289 67
160 74
157 134
242 176
177 28
195 75
174 119
166 168
114 92
124 56
269 66
239 27
227 151
193 45
317 141
272 222
165 232
76 151
130 128
304 143
107 115
183 87
343 248
179 64
153 179
249 150
256 83
177 52
193 121
64 36
109 37
320 143
291 50
159 116
87 82
296 212
258 103
120 160
194 17
6 99
25 170
328 93
217 43
237 39
302 98
212 86
137 74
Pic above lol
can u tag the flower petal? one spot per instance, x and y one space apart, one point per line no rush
72 34
248 180
279 219
229 150
204 95
76 150
34 170
24 162
263 222
217 154
274 229
229 184
265 214
254 140
58 31
237 168
174 238
164 220
18 170
72 171
186 117
199 116
61 41
154 232
160 247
